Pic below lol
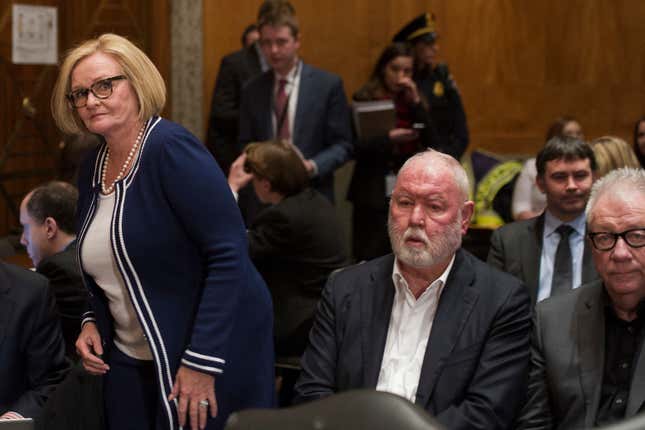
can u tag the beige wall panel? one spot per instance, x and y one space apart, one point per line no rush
518 63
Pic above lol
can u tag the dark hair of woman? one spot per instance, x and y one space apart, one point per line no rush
376 88
557 128
637 149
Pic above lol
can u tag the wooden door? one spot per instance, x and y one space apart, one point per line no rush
29 140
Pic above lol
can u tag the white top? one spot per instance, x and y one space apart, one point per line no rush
526 194
99 262
408 334
550 241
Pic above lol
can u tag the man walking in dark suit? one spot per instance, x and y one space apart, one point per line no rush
587 358
47 215
32 351
431 323
297 102
533 249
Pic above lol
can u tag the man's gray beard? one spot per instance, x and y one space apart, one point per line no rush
438 248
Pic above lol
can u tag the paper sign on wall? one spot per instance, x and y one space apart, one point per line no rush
35 34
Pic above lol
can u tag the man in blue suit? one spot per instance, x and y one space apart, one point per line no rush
32 350
297 102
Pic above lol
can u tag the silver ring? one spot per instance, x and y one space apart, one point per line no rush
203 403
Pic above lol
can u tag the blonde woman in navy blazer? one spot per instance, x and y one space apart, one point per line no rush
200 346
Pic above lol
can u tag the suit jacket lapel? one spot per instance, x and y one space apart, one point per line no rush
305 93
590 335
265 105
588 269
637 389
531 255
6 305
376 308
455 305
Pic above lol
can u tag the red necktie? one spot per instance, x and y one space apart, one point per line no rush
281 111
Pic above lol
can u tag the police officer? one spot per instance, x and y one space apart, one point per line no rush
436 83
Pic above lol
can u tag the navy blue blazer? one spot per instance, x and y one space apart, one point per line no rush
180 246
475 369
32 350
321 128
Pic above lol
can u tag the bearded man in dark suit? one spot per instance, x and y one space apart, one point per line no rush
431 322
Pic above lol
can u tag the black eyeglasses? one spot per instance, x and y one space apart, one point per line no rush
100 89
604 241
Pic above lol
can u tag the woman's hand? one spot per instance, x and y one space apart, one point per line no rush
402 135
237 177
410 90
89 348
191 389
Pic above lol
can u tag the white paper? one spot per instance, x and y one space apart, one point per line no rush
35 34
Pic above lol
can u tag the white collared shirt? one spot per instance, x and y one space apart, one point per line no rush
408 333
550 241
291 89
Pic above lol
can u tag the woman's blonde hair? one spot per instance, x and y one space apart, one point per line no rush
612 153
142 74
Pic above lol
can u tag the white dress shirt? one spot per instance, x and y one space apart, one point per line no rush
408 334
550 241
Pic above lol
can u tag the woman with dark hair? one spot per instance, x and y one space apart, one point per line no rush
639 140
566 125
378 159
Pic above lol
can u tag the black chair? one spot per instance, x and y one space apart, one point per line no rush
636 422
356 410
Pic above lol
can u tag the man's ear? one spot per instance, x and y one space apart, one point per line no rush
51 227
539 181
466 215
265 184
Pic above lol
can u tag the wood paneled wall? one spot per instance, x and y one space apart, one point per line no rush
33 133
518 63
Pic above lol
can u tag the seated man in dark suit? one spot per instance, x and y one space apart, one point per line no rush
431 323
295 243
32 351
533 249
587 350
47 216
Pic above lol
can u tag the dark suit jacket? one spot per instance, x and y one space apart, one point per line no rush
234 71
475 368
567 362
32 351
295 245
446 109
321 128
71 296
516 248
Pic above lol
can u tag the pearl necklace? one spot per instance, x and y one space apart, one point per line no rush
107 190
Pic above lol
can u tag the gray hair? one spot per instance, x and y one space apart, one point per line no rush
458 172
622 180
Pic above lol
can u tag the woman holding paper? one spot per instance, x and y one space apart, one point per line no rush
379 158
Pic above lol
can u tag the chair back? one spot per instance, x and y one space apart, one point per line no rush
359 409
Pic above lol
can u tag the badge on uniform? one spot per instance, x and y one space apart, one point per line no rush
437 91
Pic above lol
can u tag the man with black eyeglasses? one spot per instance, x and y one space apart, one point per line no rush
548 252
587 363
